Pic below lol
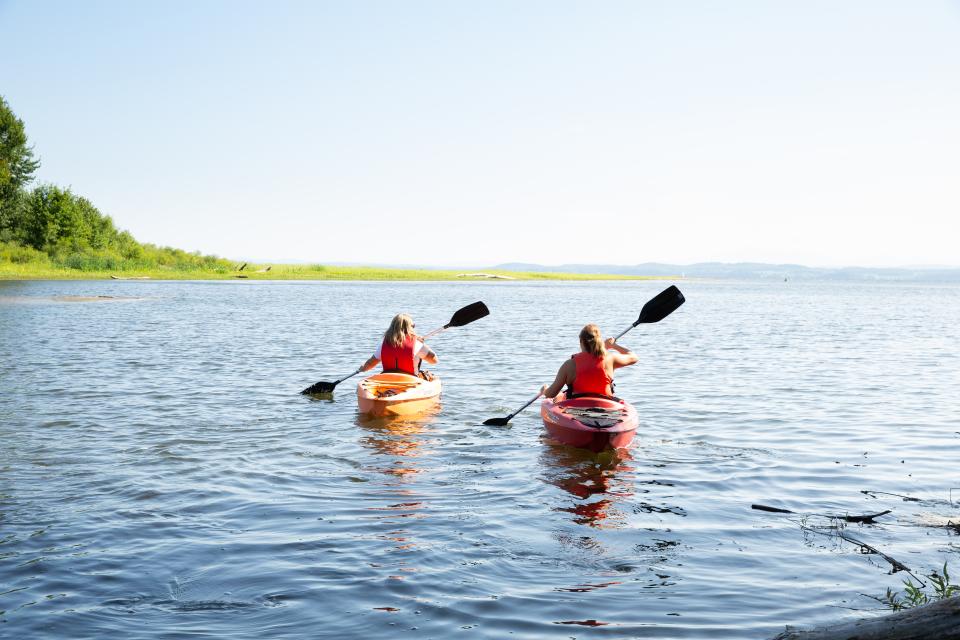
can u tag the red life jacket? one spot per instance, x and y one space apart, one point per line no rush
591 376
401 358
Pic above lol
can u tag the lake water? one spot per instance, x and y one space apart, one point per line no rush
161 476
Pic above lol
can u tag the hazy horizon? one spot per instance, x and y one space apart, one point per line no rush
463 265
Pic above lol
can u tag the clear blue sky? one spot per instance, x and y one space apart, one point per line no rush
472 133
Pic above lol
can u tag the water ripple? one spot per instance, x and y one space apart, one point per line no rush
161 477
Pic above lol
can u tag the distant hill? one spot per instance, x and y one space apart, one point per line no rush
752 271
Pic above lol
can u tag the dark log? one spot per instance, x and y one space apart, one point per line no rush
864 519
936 621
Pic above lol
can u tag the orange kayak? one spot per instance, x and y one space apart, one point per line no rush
397 394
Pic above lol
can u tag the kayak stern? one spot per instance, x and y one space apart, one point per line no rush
595 423
397 394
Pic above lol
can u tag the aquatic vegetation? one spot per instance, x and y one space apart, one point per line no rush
915 595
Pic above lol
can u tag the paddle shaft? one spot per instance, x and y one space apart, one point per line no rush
624 332
435 332
359 369
530 402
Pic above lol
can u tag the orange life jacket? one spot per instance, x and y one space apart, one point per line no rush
401 358
591 376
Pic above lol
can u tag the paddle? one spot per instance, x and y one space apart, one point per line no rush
656 309
326 387
502 422
462 317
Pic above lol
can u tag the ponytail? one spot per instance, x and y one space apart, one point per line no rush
591 341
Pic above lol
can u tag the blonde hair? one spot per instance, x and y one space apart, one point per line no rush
591 341
400 328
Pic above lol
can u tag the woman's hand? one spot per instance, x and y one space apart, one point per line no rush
611 345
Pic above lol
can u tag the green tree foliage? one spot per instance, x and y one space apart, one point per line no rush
53 226
57 221
17 163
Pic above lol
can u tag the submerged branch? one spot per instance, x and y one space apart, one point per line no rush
896 564
874 494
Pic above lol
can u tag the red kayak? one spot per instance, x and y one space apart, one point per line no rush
590 422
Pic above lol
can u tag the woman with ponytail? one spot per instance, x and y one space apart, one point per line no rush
401 350
590 372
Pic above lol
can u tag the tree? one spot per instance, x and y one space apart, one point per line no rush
13 212
17 163
57 221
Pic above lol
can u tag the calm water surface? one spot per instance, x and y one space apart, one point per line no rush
160 476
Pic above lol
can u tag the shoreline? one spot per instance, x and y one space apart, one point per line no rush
15 272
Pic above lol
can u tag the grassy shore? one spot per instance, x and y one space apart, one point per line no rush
13 271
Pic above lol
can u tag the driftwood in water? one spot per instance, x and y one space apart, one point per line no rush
936 621
874 494
866 548
864 519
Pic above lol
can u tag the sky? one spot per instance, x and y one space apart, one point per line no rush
472 133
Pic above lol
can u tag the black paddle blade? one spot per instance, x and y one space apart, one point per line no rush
497 422
468 314
662 305
318 388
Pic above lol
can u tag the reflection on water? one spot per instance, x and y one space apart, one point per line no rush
598 481
402 440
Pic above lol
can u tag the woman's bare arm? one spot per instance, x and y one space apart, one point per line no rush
564 376
620 356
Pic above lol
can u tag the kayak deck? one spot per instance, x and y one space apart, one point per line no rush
590 422
397 394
